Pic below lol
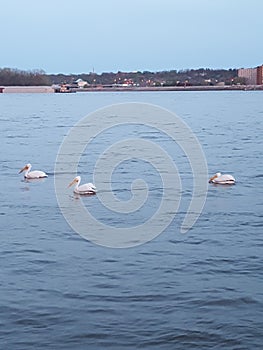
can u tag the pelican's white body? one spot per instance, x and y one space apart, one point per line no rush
220 179
35 174
87 188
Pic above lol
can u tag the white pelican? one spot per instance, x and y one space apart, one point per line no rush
225 179
35 174
88 188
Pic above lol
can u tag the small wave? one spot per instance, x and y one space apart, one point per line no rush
233 302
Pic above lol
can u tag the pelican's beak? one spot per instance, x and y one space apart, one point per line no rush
72 183
212 178
23 169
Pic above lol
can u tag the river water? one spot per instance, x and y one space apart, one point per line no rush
199 290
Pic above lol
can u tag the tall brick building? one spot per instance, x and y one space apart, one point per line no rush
253 76
260 75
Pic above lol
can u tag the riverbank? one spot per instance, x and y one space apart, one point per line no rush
173 88
101 88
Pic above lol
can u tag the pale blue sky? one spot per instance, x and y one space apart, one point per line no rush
65 36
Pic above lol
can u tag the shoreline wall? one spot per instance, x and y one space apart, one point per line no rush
26 89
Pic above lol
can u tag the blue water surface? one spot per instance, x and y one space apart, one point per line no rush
199 290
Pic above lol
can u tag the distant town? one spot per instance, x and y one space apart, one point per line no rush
15 80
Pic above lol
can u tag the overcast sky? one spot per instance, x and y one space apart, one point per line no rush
66 36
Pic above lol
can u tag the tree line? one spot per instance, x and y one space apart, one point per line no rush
201 76
16 77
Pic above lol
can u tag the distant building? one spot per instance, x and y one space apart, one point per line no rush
253 76
260 75
249 74
81 83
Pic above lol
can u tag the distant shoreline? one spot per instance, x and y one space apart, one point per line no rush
176 88
49 89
